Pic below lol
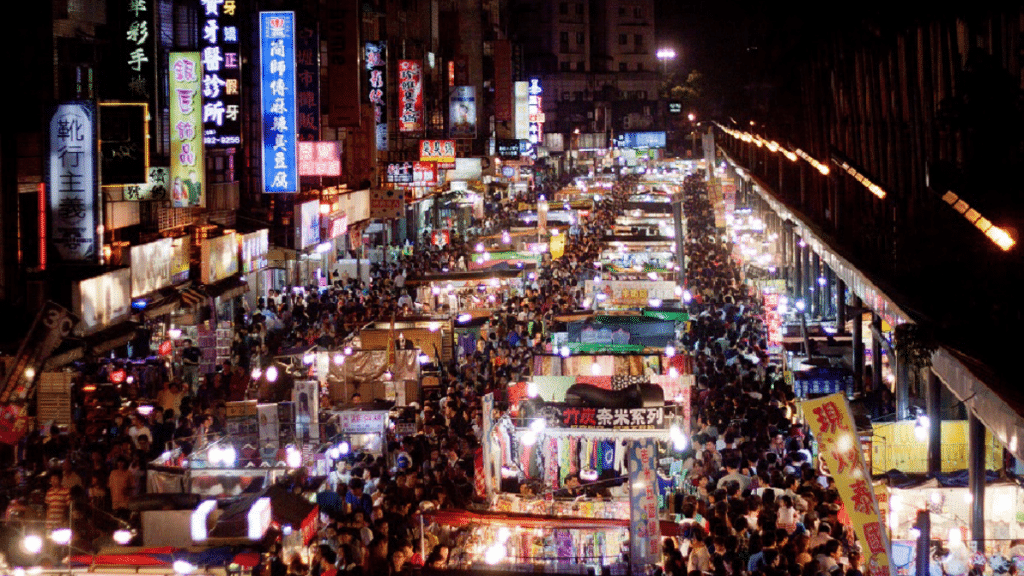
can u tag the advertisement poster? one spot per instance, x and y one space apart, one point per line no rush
410 93
151 266
376 61
241 419
308 221
269 433
441 152
155 187
307 76
277 98
102 301
219 258
839 446
222 73
306 397
644 527
387 204
72 182
255 247
399 172
181 261
462 112
188 166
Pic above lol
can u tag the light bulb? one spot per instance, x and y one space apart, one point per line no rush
670 351
564 351
595 369
272 374
530 438
256 373
344 447
538 425
308 359
339 359
183 567
33 544
122 537
61 536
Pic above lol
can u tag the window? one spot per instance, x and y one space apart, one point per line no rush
579 9
565 95
580 38
640 66
623 67
563 37
641 95
638 39
581 66
577 95
622 11
638 12
563 66
563 8
622 39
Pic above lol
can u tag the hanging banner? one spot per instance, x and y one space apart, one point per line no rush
462 112
535 111
151 266
306 396
188 166
521 97
277 97
73 213
155 187
376 61
307 74
222 73
410 95
557 246
838 445
577 417
441 152
52 324
644 526
362 422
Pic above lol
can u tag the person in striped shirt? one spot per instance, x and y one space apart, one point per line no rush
58 500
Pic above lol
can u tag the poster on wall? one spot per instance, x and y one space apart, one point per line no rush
307 221
462 112
72 182
410 92
151 266
102 301
219 258
188 166
277 99
306 397
375 57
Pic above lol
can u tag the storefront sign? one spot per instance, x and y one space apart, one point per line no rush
641 140
336 228
535 110
359 422
307 220
277 97
139 50
631 292
441 152
320 158
219 258
222 72
151 266
507 149
410 95
822 381
255 247
521 93
102 301
387 204
644 526
424 174
839 446
155 187
181 260
567 416
52 324
376 59
307 75
188 166
462 112
399 173
72 182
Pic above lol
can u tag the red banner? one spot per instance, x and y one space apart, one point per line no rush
410 95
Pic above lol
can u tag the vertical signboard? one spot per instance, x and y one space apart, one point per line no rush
503 81
222 73
187 164
376 61
644 527
535 110
462 112
307 221
521 90
72 182
343 64
839 446
410 93
307 76
277 97
139 51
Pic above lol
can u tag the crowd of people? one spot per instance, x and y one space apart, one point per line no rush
754 500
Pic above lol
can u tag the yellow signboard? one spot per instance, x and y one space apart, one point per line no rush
557 246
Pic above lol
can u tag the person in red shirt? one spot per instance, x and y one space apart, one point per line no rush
58 501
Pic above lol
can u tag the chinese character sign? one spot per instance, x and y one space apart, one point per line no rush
462 112
376 62
222 73
410 95
830 421
307 76
644 526
535 111
187 164
72 182
440 151
155 187
139 51
320 158
277 73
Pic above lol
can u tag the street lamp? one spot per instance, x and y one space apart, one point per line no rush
665 54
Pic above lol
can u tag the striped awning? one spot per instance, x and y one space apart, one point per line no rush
192 297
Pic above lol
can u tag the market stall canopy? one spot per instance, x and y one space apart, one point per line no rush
164 556
463 276
286 508
461 518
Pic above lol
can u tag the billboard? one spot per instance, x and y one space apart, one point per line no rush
507 148
387 204
410 95
535 111
307 76
399 173
138 52
376 62
277 99
155 187
255 247
440 151
72 182
307 219
151 266
102 301
187 164
521 92
320 158
462 112
222 73
641 140
219 258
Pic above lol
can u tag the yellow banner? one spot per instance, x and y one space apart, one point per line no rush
830 421
557 246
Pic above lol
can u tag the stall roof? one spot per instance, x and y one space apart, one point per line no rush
464 276
459 518
287 509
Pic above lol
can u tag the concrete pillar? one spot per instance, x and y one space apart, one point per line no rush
876 352
798 269
933 398
976 479
840 305
808 279
816 287
902 387
858 347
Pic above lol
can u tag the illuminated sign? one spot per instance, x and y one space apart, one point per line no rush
155 187
258 518
140 49
151 266
641 140
410 95
521 92
277 96
440 151
507 149
222 73
255 247
219 258
102 301
376 59
72 182
307 219
319 158
307 74
535 111
675 107
187 164
399 173
462 112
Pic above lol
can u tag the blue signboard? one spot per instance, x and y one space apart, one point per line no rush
642 140
822 381
277 85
